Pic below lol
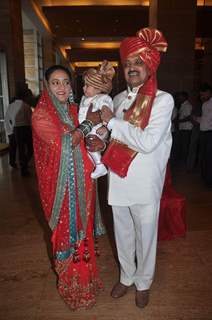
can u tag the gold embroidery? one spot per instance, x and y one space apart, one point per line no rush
78 294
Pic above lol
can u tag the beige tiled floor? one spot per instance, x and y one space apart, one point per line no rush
182 289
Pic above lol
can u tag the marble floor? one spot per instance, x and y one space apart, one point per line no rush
182 289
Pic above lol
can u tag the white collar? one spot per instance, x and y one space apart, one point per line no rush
134 90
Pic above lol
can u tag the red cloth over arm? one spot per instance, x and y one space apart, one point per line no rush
44 127
47 134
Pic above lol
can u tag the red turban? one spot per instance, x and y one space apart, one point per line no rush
148 44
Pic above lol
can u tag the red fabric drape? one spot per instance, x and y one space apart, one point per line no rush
172 217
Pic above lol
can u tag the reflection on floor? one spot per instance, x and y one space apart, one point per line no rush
182 289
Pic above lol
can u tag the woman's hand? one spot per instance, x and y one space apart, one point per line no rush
76 138
106 114
94 143
94 117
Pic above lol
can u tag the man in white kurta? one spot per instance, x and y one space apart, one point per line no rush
135 199
206 134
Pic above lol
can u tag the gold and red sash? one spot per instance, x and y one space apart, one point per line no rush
118 156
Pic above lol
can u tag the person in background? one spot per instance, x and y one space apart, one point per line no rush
18 127
68 194
10 133
194 147
206 134
97 86
137 158
185 125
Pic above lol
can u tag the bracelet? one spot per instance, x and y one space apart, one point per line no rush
85 127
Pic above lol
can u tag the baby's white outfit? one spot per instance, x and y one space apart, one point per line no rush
98 101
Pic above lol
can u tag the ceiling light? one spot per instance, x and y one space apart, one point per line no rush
89 64
100 45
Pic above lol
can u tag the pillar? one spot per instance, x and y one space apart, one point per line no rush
177 20
11 35
48 52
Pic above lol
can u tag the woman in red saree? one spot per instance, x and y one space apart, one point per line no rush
66 190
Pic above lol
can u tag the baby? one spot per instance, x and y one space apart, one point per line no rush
97 86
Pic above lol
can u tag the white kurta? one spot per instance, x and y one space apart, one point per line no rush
18 114
97 101
206 119
185 111
144 181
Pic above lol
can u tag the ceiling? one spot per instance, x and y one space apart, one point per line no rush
89 31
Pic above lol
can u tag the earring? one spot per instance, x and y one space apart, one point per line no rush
71 97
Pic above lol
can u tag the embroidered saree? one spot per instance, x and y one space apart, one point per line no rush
68 199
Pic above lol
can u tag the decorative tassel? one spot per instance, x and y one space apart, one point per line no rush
76 256
96 248
86 254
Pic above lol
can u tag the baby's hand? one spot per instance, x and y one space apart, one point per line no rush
102 131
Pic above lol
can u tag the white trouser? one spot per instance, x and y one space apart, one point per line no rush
136 229
96 157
